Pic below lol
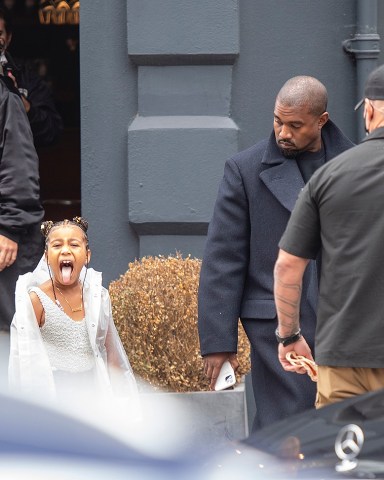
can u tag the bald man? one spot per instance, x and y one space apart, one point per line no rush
340 213
256 196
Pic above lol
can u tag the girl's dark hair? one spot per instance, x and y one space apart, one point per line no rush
47 226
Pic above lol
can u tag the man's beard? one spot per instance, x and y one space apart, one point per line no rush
289 153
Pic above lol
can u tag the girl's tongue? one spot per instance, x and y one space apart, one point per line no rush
66 274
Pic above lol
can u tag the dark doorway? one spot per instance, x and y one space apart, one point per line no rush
53 52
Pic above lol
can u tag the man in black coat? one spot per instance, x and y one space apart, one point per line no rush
21 244
255 199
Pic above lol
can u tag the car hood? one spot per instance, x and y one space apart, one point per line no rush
343 439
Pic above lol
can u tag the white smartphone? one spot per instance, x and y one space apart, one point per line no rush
226 377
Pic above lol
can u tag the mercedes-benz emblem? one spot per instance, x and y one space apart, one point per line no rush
349 442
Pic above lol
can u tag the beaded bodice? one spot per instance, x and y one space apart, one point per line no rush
66 340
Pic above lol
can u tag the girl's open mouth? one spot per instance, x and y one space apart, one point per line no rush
66 268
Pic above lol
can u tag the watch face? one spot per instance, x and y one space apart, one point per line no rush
278 338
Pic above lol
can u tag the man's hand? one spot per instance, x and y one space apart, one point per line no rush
214 362
8 252
26 103
301 348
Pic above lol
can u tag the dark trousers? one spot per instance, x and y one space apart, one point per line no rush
278 394
30 250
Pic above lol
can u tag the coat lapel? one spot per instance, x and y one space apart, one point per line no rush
282 177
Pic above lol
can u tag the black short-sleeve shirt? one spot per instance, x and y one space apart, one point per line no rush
341 212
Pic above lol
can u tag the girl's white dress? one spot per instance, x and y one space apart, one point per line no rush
30 369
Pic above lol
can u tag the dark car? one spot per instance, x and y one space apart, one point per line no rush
343 440
41 442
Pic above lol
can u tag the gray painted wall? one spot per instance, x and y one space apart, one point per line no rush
108 105
170 89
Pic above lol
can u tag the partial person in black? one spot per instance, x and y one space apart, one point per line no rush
255 199
21 212
45 120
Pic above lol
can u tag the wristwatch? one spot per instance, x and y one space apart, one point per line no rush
288 340
23 92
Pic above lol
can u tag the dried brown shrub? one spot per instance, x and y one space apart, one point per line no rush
155 311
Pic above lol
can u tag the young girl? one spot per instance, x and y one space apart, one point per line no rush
63 338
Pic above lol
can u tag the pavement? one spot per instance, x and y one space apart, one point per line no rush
4 354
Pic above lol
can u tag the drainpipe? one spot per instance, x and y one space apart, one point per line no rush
365 48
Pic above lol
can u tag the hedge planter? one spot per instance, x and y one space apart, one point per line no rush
155 310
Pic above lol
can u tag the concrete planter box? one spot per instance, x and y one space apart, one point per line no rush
206 419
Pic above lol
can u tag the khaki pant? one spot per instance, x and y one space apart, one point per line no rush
338 383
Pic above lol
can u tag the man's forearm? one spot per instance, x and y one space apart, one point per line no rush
287 299
288 274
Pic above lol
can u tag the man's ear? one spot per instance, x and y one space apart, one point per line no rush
323 119
368 110
368 114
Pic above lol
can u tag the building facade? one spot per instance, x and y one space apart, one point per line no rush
171 88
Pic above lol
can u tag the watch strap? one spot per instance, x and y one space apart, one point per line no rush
285 341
